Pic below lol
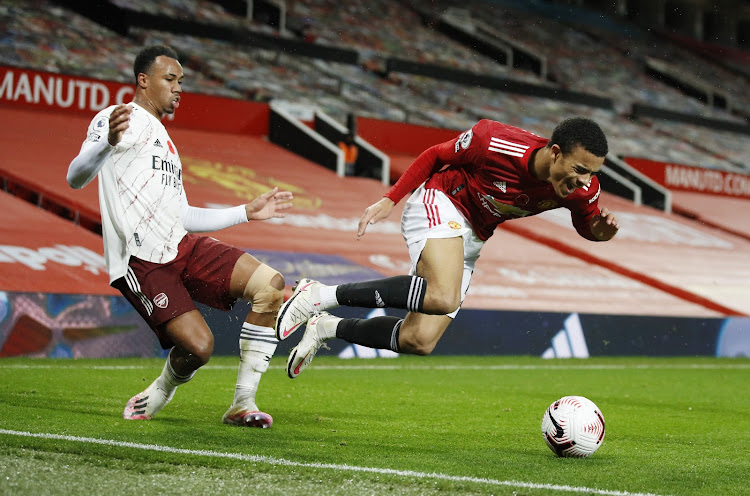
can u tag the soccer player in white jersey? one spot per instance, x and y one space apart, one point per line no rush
465 188
152 256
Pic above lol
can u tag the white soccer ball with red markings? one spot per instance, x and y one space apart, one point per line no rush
573 426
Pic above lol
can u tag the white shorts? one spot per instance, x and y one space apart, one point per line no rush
429 214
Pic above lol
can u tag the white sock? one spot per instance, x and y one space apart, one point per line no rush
328 329
257 345
169 380
327 296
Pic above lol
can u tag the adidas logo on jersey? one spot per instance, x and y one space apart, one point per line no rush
501 185
158 143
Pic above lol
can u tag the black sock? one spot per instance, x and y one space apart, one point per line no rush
378 332
404 292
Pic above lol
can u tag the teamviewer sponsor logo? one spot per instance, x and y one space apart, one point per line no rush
39 258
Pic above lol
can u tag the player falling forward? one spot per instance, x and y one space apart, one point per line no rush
495 173
152 256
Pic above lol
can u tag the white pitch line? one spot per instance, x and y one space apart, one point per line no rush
328 466
727 366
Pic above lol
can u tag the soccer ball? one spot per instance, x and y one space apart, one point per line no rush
573 426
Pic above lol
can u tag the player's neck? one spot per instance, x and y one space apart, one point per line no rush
147 105
540 163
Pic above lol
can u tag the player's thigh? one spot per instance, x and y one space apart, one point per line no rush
241 274
420 332
190 332
441 263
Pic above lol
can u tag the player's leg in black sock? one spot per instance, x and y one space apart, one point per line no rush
404 292
377 332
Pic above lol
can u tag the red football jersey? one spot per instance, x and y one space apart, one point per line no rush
488 179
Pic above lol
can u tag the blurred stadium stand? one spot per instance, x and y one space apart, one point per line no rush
657 95
225 169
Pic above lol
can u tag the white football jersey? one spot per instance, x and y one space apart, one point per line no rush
140 192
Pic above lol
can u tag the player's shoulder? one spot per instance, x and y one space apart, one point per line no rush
500 130
478 134
100 122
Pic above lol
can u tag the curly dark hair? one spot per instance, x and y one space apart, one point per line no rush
148 55
580 131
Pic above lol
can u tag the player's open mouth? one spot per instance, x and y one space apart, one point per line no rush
176 102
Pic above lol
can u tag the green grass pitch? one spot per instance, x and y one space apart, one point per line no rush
403 426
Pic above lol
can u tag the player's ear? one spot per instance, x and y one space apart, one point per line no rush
143 80
555 151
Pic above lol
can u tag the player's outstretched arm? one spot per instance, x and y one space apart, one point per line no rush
269 205
266 206
604 226
87 164
374 213
89 161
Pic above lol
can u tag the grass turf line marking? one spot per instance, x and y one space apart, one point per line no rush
728 366
328 466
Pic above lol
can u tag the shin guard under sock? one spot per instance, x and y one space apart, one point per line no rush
378 332
404 292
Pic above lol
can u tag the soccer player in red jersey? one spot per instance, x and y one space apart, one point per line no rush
152 255
464 187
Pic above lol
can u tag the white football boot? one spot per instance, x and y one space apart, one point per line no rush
303 304
148 403
314 338
247 417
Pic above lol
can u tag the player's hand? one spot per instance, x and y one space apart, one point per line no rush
119 121
374 213
604 226
269 205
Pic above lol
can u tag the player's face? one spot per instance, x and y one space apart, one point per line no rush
573 170
165 84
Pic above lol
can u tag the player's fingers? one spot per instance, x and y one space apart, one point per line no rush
120 126
119 123
270 194
120 112
362 227
377 217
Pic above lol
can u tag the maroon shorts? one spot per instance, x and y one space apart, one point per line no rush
160 292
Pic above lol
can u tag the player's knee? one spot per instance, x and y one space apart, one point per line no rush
201 350
416 346
416 343
265 289
441 302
